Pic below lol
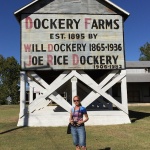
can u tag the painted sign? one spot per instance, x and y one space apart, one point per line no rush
72 41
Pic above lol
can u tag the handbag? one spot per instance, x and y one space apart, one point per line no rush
69 128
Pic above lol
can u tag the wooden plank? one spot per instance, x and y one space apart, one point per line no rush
124 91
87 101
95 95
22 93
74 88
100 91
44 84
108 78
50 90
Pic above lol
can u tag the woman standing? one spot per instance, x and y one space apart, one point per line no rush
77 124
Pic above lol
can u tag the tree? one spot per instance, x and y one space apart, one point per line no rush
145 52
2 91
9 79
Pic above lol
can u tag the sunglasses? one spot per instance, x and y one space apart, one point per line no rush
76 100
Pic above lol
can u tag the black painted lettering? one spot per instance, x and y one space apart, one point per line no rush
43 23
36 48
65 60
77 23
82 60
57 36
53 24
34 60
94 24
33 47
101 24
37 23
108 60
42 48
88 60
95 60
56 47
62 47
40 60
61 24
51 36
69 24
79 47
55 60
117 25
58 60
102 60
108 24
68 47
115 59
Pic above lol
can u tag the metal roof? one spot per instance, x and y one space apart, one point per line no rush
125 14
137 64
111 3
138 77
26 6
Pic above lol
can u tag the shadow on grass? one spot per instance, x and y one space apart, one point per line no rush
135 115
12 130
25 122
107 148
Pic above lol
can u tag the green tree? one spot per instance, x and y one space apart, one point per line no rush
9 79
145 52
2 91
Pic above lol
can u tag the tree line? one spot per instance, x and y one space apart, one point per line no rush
9 80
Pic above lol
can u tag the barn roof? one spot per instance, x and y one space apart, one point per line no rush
121 11
138 77
137 64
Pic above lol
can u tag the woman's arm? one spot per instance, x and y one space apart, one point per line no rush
85 120
71 119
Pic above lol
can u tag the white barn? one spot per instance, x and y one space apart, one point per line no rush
138 81
59 83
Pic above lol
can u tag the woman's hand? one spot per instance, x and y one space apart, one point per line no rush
83 121
71 121
80 122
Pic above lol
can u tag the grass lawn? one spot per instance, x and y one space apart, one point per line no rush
134 136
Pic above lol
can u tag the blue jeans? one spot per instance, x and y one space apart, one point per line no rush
78 135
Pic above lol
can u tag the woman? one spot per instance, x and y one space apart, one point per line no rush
77 124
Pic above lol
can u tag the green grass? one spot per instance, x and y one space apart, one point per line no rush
134 136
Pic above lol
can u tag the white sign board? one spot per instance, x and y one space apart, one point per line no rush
72 41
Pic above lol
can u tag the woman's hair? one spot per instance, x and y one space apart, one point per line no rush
78 98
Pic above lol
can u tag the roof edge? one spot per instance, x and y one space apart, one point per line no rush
126 14
137 64
15 13
113 4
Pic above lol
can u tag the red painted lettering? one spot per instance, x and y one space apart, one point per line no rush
86 22
30 61
28 23
75 59
50 47
27 47
50 59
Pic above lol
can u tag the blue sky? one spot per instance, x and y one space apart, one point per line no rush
136 27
